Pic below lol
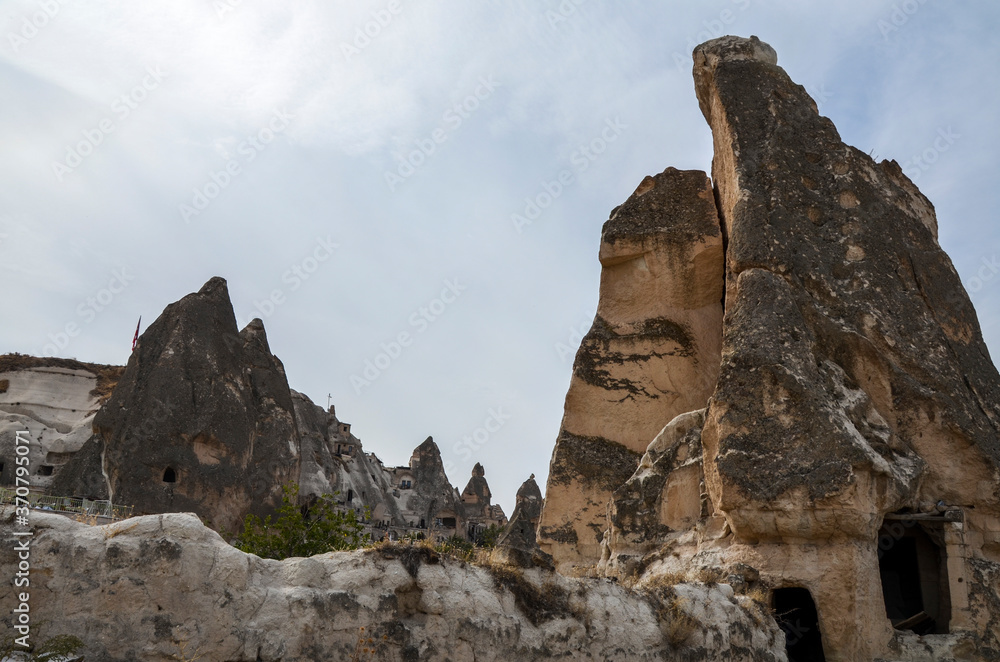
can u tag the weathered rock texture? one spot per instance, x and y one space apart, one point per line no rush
202 419
855 381
651 354
850 454
53 401
518 545
164 587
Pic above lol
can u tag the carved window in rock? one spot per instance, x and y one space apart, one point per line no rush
914 572
797 617
169 475
45 470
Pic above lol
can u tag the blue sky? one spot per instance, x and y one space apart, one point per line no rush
354 187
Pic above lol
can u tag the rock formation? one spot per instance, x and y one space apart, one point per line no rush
164 587
202 420
848 460
54 401
651 354
518 545
478 513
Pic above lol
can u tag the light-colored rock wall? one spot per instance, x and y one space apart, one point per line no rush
56 406
150 587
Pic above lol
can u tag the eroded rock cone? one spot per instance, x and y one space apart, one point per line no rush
202 419
518 544
651 354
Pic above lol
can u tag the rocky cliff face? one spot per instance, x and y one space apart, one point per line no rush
53 401
202 419
651 354
843 457
165 587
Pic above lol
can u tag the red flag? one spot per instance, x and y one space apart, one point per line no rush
135 338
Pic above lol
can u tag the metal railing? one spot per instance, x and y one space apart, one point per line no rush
93 508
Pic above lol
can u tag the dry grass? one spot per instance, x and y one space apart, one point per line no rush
84 518
709 576
675 622
114 530
760 604
182 653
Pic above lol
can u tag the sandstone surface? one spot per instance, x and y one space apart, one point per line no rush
651 354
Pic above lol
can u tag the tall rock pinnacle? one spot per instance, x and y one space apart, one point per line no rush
651 354
834 437
202 419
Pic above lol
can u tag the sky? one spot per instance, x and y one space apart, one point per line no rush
410 195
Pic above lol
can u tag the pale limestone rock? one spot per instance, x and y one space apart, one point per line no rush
142 588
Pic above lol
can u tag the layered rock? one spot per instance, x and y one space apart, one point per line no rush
855 381
202 419
849 458
165 587
53 401
651 354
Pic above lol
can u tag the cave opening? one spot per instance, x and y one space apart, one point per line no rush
914 575
796 614
169 475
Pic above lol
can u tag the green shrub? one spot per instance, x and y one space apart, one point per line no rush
301 531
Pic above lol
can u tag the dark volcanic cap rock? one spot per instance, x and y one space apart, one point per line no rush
852 356
202 419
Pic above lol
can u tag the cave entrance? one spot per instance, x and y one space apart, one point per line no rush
169 475
914 572
796 614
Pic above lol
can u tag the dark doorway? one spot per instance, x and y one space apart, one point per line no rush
914 577
796 614
169 475
350 496
45 470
